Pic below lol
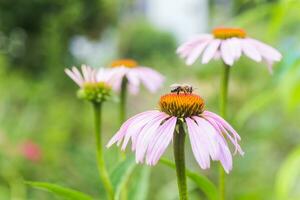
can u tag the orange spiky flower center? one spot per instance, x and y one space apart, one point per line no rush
130 63
226 33
181 105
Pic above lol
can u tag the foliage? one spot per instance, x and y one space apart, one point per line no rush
38 102
142 41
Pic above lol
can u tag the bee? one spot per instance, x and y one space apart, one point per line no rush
185 88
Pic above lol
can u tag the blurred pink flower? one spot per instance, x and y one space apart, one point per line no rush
152 131
87 75
31 151
229 44
135 75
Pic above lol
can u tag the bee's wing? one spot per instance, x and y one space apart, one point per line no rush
175 85
186 84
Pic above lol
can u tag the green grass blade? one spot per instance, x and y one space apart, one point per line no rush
120 175
58 190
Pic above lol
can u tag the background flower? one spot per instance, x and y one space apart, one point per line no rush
228 44
94 84
31 151
135 75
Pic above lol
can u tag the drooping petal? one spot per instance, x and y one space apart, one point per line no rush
136 126
211 135
199 144
196 52
227 53
210 51
119 136
225 157
150 78
269 65
236 47
146 135
222 122
266 51
160 141
223 127
193 42
250 50
221 130
74 77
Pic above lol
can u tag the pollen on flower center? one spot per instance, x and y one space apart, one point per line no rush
130 63
225 33
181 105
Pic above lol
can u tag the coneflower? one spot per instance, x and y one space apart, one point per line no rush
152 131
228 44
127 74
95 87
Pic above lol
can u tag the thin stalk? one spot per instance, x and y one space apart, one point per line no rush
100 157
123 100
178 145
223 112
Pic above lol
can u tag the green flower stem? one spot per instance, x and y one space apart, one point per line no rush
123 103
223 112
123 100
178 145
100 157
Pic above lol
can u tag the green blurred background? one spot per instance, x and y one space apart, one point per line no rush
38 104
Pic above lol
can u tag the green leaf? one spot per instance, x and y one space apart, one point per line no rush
141 184
208 188
287 176
66 193
120 175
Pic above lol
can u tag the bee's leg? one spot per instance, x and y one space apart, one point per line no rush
178 92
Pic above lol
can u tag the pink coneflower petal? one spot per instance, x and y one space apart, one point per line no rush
136 126
118 137
151 132
211 134
196 52
74 77
225 157
236 46
146 135
250 50
85 73
210 51
269 65
227 53
77 73
189 45
266 51
135 75
227 44
150 78
199 144
133 81
222 122
222 126
221 130
161 141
